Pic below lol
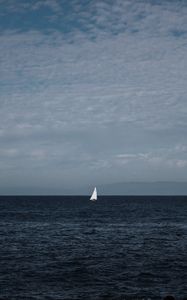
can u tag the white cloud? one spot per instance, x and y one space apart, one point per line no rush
24 7
62 79
181 163
161 157
110 92
52 4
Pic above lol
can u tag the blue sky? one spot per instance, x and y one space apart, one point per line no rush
92 92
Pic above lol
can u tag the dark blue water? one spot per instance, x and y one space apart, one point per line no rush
71 248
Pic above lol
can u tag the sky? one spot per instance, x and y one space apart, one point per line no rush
92 92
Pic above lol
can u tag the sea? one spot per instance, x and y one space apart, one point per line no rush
67 247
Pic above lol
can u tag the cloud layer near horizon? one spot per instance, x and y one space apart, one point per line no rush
96 95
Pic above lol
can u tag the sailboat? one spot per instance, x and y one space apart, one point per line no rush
94 195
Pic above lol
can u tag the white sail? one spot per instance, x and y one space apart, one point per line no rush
94 195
